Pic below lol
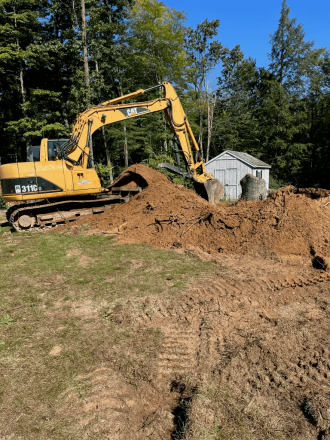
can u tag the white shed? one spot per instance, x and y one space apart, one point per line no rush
230 167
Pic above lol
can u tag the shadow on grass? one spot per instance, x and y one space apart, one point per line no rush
6 227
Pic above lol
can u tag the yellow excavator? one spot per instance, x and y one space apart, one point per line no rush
58 184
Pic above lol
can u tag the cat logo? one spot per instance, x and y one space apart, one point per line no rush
133 111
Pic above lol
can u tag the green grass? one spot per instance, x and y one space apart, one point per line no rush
4 226
93 262
67 291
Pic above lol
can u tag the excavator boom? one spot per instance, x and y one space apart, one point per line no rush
60 185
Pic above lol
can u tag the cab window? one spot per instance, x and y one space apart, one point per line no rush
53 148
33 154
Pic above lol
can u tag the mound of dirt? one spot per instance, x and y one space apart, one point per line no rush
139 175
290 222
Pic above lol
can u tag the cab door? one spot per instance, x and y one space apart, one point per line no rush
85 179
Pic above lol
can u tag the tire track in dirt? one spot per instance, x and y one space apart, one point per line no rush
195 329
105 405
223 327
177 354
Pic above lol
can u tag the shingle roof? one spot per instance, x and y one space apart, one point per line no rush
247 158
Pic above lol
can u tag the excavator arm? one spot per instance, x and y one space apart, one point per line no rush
76 150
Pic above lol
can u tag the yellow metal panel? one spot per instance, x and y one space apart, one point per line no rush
27 174
9 171
67 170
44 150
85 179
26 169
51 171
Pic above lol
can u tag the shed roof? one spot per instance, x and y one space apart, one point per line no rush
245 157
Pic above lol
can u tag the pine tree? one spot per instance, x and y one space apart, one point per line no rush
236 126
291 54
290 59
19 26
202 56
318 105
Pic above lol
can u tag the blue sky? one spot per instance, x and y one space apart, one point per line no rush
249 22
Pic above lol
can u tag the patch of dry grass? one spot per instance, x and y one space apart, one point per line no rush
59 302
221 412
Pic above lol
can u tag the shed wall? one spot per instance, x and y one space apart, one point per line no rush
265 175
230 171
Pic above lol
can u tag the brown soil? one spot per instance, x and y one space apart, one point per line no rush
245 353
248 348
291 222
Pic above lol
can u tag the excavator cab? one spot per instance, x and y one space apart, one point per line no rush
44 175
49 149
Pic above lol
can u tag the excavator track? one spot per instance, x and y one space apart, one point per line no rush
45 215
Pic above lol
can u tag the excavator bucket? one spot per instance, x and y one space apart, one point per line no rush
129 183
134 180
211 190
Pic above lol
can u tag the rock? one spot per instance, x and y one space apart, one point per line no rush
253 188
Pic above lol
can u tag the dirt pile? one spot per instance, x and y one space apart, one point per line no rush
291 222
139 175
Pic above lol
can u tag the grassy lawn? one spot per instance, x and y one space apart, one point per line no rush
59 297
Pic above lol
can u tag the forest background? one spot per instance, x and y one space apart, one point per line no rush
59 57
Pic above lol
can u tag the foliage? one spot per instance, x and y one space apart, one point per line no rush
202 56
103 171
273 113
6 319
3 205
156 39
276 184
279 113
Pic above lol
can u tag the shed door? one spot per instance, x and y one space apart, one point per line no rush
231 181
220 175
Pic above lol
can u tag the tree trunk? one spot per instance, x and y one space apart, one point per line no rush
84 41
125 148
21 78
200 137
125 135
85 54
210 112
107 155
